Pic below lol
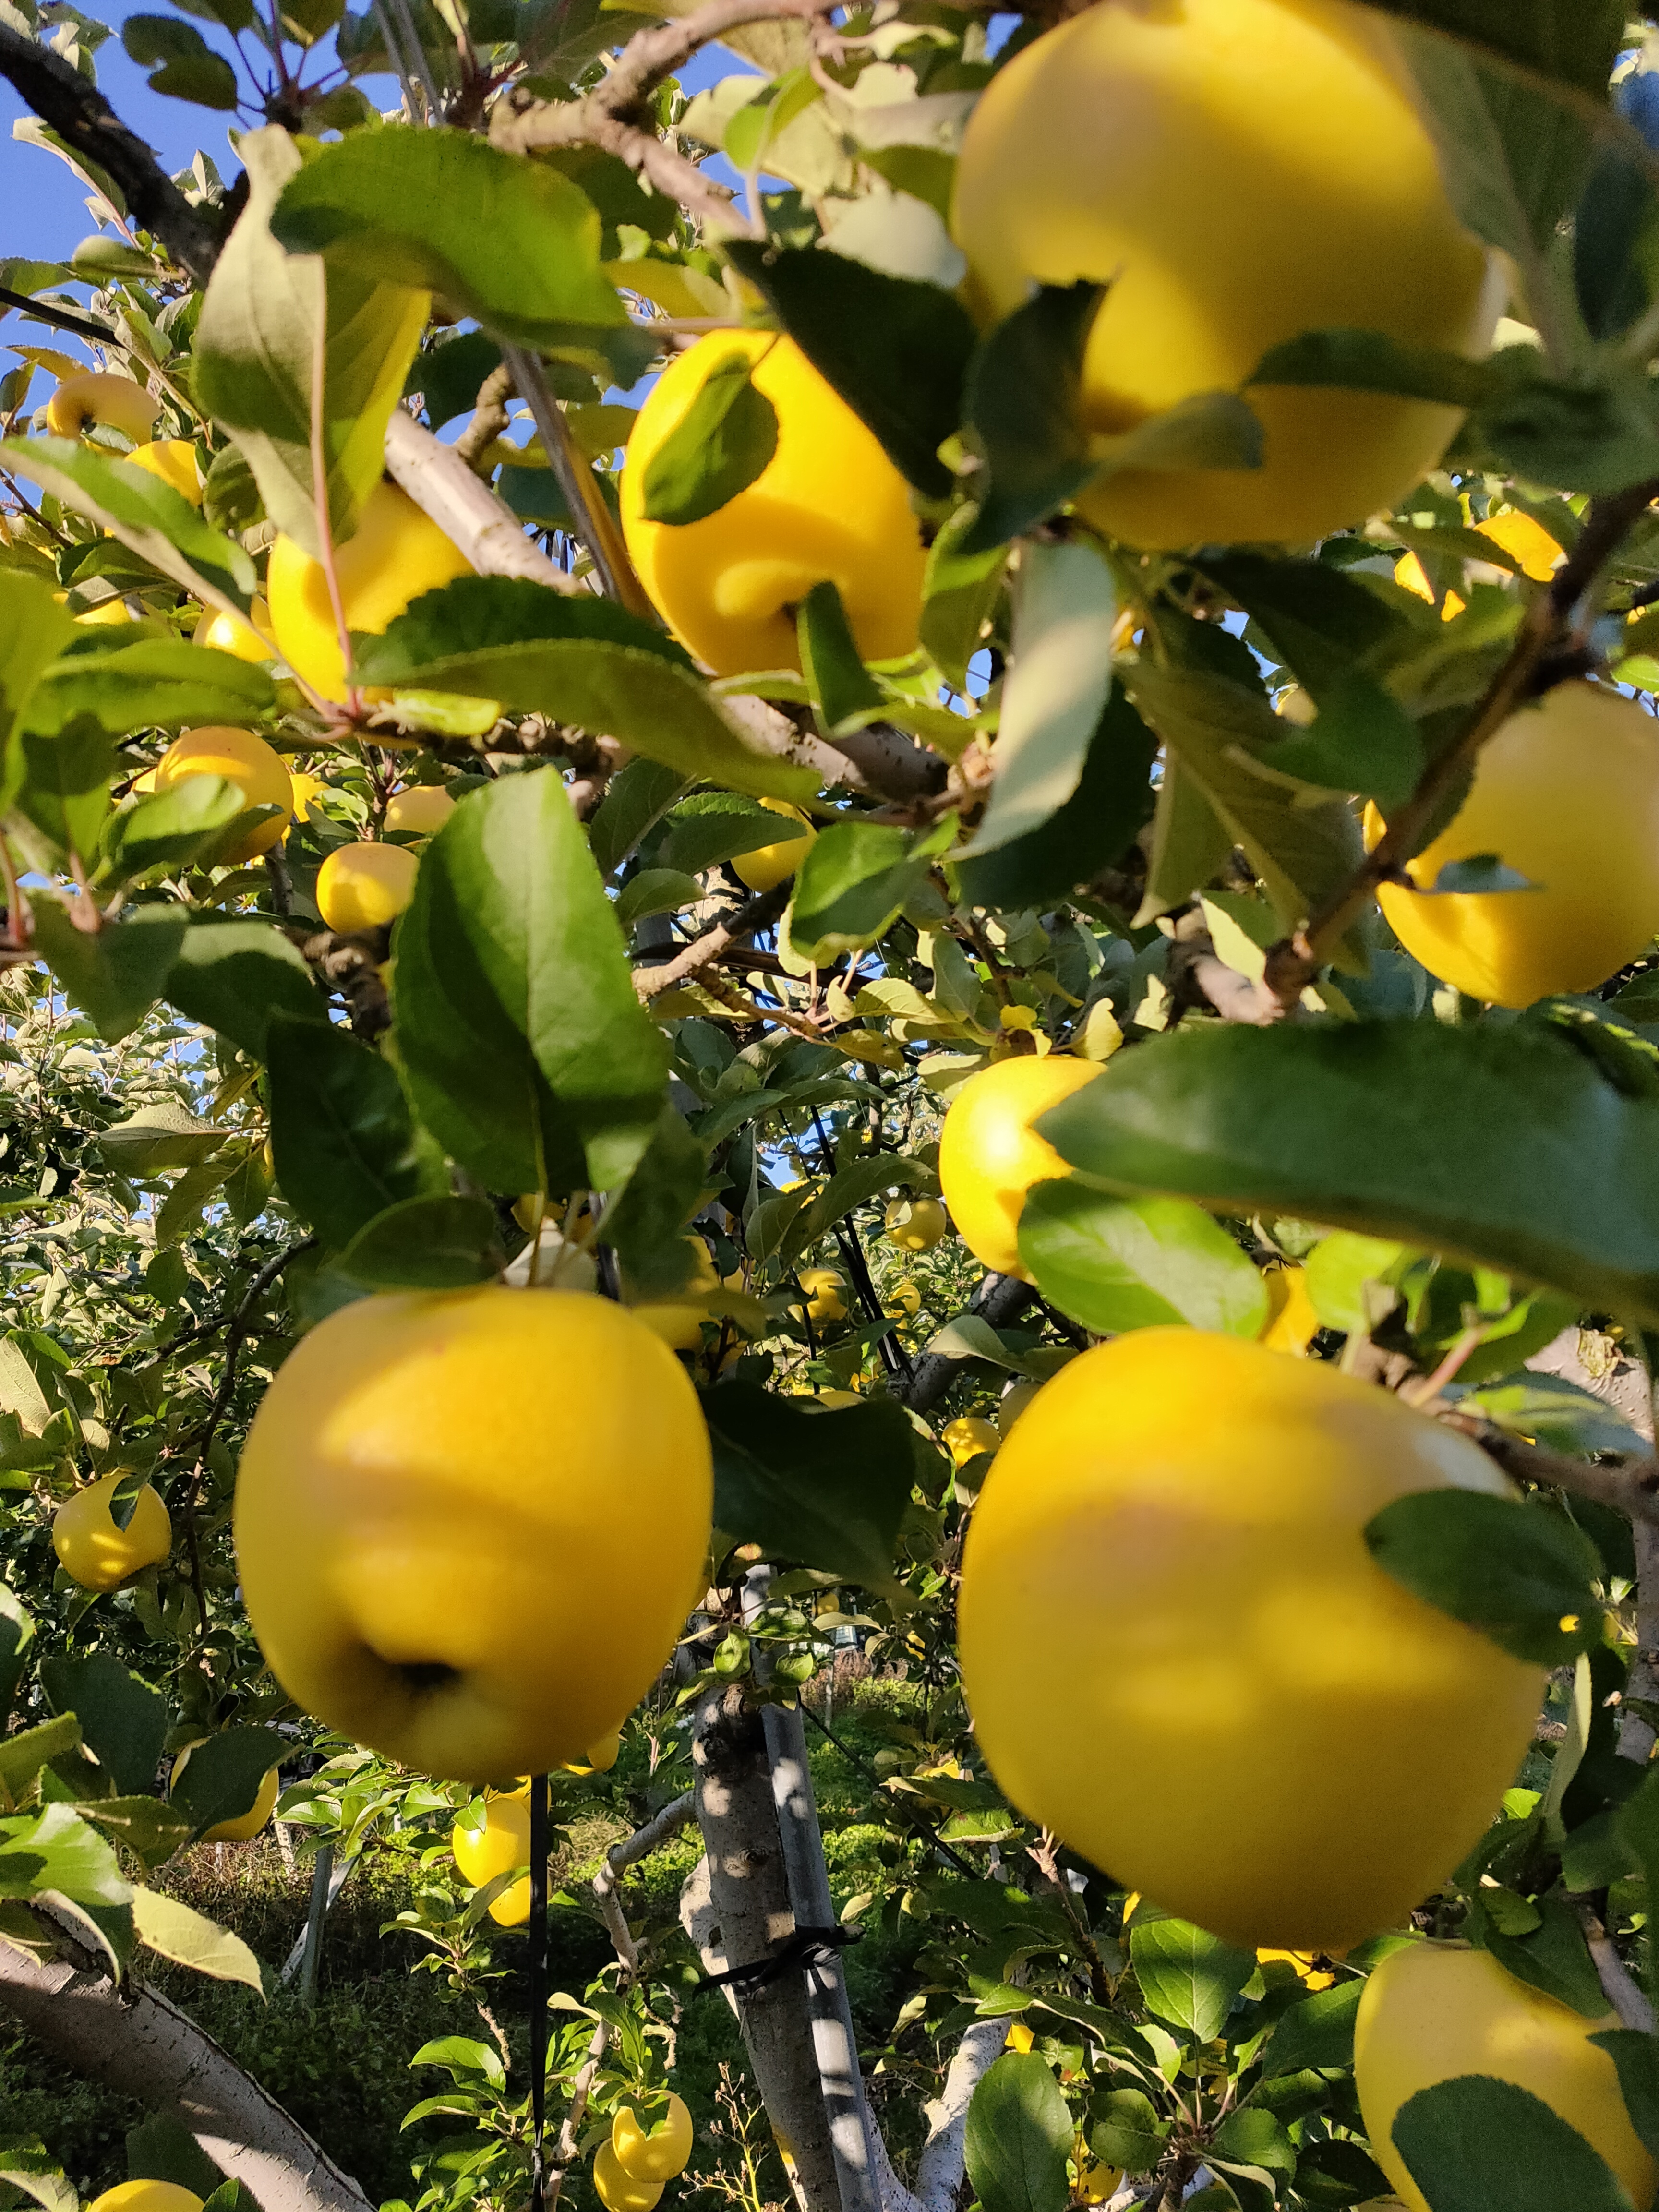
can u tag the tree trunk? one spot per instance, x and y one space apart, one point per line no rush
140 2044
749 1892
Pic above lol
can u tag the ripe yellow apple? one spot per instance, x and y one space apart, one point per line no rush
249 1823
242 759
432 1564
1181 1657
500 1845
904 1298
652 2144
1412 577
603 1754
113 611
967 1436
989 1155
915 1224
146 2197
420 811
829 505
307 789
831 1401
1434 2011
91 1551
98 396
396 555
679 1325
826 1295
1528 541
768 865
361 887
1020 2037
173 462
1292 1324
1096 2184
616 2190
249 641
1567 794
1152 148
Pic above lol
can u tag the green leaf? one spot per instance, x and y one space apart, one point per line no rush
56 1850
1337 2172
1513 157
151 1830
191 1939
1501 1145
1054 692
579 661
854 879
157 1137
1574 40
1518 1574
712 826
66 790
1128 2133
824 1490
155 680
23 1755
1023 402
1090 833
26 2164
643 1223
959 593
432 1243
855 1185
1217 731
340 1129
124 1723
1636 2057
16 1631
511 242
1475 2144
636 800
234 976
148 516
1120 1263
527 1052
723 442
895 350
1552 1957
1186 1976
1320 622
656 891
116 977
1019 2133
190 69
221 1778
165 828
1251 2137
1362 740
255 356
1315 2033
844 691
33 631
1371 361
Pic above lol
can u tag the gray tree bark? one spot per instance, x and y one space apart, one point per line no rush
749 1898
137 2043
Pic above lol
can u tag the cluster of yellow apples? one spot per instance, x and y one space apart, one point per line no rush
649 2144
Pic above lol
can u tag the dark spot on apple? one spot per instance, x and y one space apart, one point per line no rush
423 1677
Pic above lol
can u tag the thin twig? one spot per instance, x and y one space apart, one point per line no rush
1630 1486
490 416
1620 1991
80 327
1294 963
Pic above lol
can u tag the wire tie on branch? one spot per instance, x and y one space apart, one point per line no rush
806 1947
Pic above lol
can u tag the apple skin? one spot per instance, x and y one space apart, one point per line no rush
470 1524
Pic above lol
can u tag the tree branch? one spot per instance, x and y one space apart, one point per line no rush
141 2045
620 1857
438 479
83 118
489 416
1294 963
704 950
1621 1992
939 2174
997 1299
610 115
1630 1486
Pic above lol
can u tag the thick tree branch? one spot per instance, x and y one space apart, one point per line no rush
83 118
140 2046
939 2177
437 478
489 416
1621 1991
1293 964
620 1857
1630 1486
997 1299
